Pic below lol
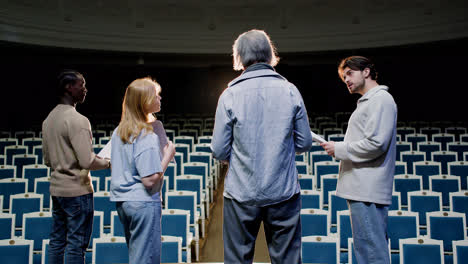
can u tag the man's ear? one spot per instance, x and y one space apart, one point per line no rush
68 87
366 72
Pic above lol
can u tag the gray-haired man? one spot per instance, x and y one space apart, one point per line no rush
260 124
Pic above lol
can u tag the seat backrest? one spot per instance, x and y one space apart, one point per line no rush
23 203
7 225
34 171
20 160
444 157
184 149
336 204
402 147
327 185
446 226
326 245
344 228
459 202
37 150
189 140
42 186
400 167
423 202
10 187
460 251
31 222
396 201
117 228
444 184
429 147
415 138
429 131
443 138
7 171
184 200
196 168
421 250
10 151
406 183
314 222
171 172
323 168
98 227
171 249
31 142
410 157
302 167
16 251
459 168
318 156
458 147
311 199
401 225
306 181
175 222
190 183
103 203
426 169
109 249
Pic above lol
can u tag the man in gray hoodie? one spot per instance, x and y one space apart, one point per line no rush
367 157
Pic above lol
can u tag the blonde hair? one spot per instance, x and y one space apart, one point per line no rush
138 99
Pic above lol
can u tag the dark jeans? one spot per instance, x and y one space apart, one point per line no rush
71 228
282 225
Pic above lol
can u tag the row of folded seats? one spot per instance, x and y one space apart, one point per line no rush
189 183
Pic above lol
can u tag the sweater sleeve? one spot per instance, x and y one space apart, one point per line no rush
378 132
81 139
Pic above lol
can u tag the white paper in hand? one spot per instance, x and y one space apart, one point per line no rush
105 151
317 138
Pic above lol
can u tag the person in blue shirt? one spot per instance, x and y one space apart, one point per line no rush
138 166
260 124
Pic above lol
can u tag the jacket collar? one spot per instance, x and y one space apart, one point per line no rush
371 92
255 73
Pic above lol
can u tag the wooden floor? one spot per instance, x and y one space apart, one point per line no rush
212 250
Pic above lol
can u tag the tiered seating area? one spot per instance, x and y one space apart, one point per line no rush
190 184
430 193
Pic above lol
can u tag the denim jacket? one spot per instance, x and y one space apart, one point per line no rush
261 122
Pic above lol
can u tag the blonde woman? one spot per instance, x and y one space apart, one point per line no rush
138 166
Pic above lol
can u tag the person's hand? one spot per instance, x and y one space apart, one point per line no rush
169 150
109 163
329 147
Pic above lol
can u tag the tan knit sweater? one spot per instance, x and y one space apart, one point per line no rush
68 150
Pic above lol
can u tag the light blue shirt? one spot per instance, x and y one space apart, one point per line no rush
368 151
130 163
260 123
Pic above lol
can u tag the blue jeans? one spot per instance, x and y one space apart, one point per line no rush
71 228
369 226
282 225
142 227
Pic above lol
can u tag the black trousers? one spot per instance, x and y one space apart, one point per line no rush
282 224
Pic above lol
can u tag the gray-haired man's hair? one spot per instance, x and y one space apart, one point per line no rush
252 47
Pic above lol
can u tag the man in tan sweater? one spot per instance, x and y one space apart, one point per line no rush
68 150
